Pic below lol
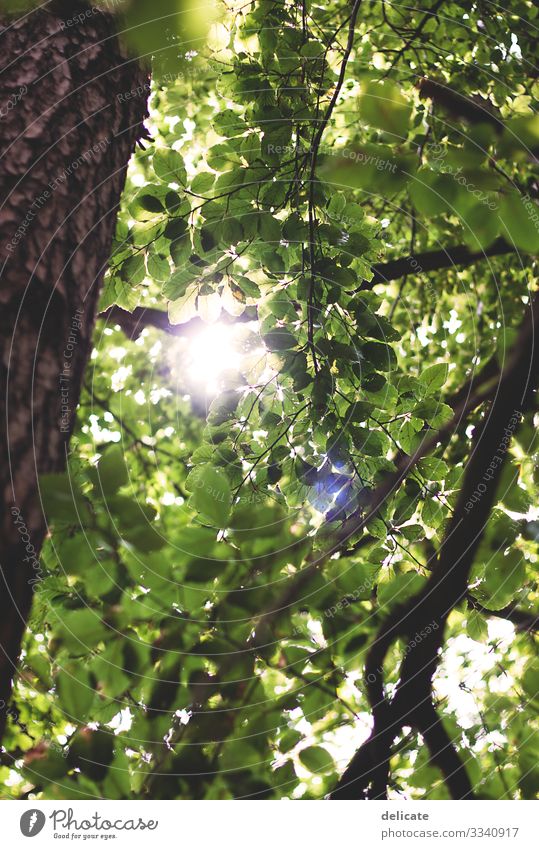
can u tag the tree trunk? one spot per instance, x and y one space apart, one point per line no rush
72 105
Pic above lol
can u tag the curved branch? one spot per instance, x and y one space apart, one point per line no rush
447 584
355 524
443 753
369 765
522 620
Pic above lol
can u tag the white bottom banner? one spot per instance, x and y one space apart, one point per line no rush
244 824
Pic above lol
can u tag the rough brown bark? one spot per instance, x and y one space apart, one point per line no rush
67 131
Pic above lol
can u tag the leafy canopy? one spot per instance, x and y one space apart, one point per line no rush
216 569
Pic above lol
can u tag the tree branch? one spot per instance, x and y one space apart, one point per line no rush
522 620
443 753
429 610
315 148
474 110
417 32
432 261
355 524
133 323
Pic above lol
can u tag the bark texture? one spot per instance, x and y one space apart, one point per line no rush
72 105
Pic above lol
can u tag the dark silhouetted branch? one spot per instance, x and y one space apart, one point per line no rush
475 109
443 752
522 620
421 263
133 323
428 611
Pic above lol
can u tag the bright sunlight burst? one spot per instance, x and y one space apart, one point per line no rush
212 353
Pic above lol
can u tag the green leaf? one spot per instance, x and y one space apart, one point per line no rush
433 378
75 692
295 229
212 496
237 755
77 554
203 182
433 194
269 228
150 203
112 470
476 626
228 123
399 589
158 267
368 442
81 629
231 231
530 679
408 434
169 167
432 512
505 574
385 107
317 759
279 339
184 308
133 270
433 469
520 220
248 287
145 538
62 499
379 355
